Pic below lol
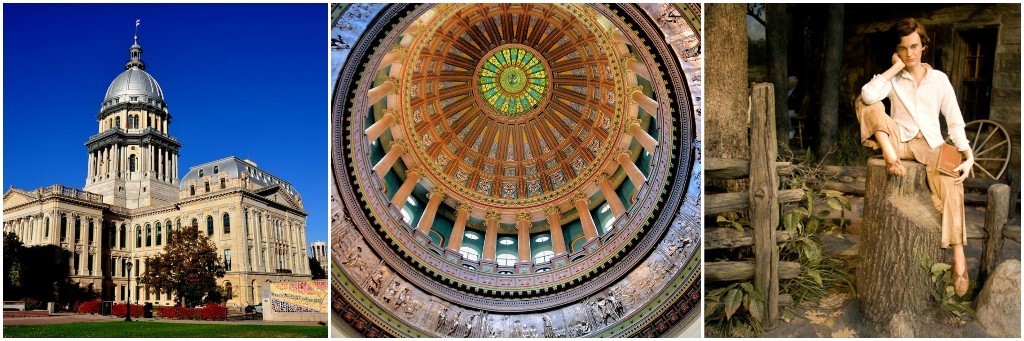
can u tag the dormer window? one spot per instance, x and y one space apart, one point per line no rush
200 173
215 169
223 183
192 190
134 98
207 186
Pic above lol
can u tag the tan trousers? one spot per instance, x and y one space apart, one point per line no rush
947 195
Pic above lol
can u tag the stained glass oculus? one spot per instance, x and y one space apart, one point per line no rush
513 81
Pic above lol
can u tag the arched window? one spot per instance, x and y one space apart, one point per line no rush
159 234
46 231
149 235
90 232
117 121
78 229
149 121
124 236
229 289
209 226
469 253
195 223
227 224
131 163
216 169
200 173
406 215
177 224
138 236
608 224
506 259
543 256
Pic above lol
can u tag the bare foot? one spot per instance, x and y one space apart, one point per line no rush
894 167
960 283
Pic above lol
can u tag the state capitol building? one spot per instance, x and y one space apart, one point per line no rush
134 196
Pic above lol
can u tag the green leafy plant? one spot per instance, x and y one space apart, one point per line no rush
734 310
941 275
734 219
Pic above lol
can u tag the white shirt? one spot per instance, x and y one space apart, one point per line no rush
916 108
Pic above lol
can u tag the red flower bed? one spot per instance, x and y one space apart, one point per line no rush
119 309
211 312
89 307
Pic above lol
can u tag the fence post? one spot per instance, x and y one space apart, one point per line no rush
995 219
764 202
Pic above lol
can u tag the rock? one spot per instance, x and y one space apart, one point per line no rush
999 301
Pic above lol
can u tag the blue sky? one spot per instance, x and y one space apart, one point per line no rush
239 79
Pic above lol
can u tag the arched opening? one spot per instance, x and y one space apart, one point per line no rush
209 226
131 163
159 234
149 235
138 236
227 223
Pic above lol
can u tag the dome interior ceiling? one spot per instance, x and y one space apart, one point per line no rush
518 157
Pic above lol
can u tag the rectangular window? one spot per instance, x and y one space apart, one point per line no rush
223 183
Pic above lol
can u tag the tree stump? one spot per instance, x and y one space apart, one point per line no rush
901 232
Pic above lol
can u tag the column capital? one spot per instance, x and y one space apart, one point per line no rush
399 144
414 169
464 207
635 89
390 111
581 197
401 50
492 215
622 151
602 176
437 191
393 81
552 209
523 216
633 121
626 59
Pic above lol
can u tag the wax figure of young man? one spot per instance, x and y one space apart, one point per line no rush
918 94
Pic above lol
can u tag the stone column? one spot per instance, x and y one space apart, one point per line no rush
630 63
491 237
459 231
648 104
397 149
377 128
392 56
603 181
642 136
412 175
427 219
381 91
97 242
635 175
589 229
523 225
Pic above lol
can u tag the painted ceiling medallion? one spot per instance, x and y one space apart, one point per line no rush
513 80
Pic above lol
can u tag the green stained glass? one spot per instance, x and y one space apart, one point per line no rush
513 81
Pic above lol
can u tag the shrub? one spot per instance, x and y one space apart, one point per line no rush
119 309
89 307
211 312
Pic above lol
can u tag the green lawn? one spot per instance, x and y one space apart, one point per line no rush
162 329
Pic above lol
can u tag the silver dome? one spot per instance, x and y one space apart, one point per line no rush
134 82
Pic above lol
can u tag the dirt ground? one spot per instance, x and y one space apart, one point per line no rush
839 315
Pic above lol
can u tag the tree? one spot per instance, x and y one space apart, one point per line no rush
39 274
727 91
778 49
314 268
188 267
828 125
13 250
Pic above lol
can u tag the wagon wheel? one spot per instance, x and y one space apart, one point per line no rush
992 148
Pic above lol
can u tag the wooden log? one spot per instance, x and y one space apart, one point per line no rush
729 271
981 183
717 238
856 188
785 300
901 230
725 169
729 202
764 201
851 171
995 219
1012 232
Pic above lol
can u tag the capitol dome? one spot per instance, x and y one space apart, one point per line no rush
134 85
134 82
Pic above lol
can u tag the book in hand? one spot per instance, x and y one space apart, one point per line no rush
949 159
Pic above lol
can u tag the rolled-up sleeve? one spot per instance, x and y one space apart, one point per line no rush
875 90
954 118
